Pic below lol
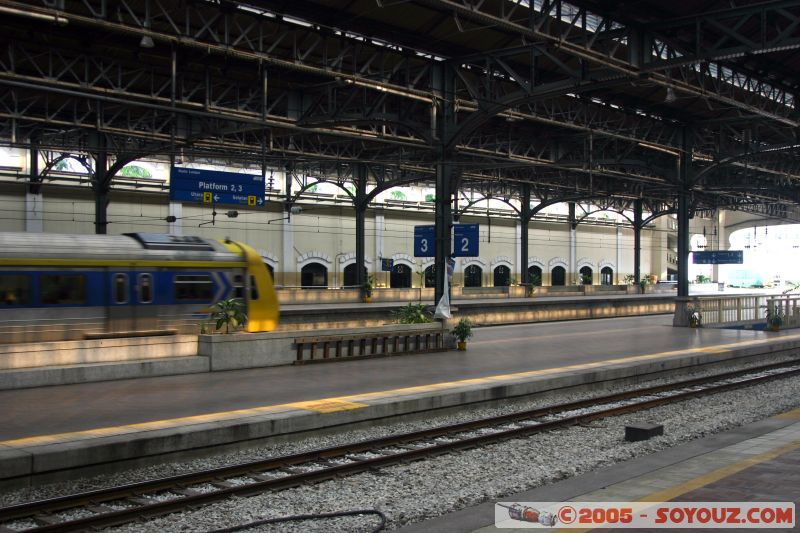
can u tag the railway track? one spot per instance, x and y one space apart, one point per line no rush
128 503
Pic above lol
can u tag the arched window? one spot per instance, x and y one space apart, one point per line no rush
606 276
400 277
313 275
502 276
535 275
558 276
430 276
472 276
350 275
586 275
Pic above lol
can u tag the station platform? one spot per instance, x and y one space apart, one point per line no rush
759 462
98 426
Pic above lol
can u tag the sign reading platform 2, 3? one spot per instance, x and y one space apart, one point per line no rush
718 257
215 187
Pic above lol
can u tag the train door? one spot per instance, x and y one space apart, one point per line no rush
145 312
120 308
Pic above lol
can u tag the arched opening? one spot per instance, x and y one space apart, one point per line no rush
502 276
350 275
535 275
400 277
313 275
472 276
430 276
606 276
558 276
586 275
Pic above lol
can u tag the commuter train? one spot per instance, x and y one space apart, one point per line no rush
68 287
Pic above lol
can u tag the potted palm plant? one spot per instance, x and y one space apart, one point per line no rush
367 289
230 313
774 319
462 332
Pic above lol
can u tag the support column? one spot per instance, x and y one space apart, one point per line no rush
444 85
101 183
361 212
34 212
573 246
380 222
176 210
618 264
684 180
525 218
637 241
289 276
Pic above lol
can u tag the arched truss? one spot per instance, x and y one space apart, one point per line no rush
314 257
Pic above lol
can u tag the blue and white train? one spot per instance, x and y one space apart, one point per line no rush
68 287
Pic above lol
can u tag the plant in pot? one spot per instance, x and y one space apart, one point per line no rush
230 313
367 289
695 317
774 319
462 332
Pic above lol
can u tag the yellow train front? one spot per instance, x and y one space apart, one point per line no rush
69 287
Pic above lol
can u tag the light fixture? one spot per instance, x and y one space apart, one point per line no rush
146 42
670 97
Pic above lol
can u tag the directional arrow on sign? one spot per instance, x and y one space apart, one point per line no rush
216 198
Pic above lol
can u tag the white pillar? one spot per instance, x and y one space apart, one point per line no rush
287 260
176 210
34 212
573 251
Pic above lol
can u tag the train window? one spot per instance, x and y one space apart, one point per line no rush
238 286
120 288
15 289
145 288
253 289
194 288
63 289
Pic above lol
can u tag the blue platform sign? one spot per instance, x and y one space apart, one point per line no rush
424 241
718 257
215 187
386 264
465 240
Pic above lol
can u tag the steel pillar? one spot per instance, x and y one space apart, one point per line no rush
100 185
525 219
444 84
684 182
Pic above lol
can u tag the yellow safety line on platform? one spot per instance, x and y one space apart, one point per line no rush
355 401
709 478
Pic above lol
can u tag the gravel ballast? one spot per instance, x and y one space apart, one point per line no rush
424 489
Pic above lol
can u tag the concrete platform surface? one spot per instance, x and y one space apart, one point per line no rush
50 429
756 462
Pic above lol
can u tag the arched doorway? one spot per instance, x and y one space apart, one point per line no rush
313 275
535 275
558 276
606 276
350 275
502 276
430 276
587 277
400 277
472 276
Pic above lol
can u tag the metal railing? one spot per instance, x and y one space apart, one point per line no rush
743 309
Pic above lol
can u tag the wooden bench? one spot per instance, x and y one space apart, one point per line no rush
367 344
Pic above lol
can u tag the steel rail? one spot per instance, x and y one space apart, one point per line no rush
414 445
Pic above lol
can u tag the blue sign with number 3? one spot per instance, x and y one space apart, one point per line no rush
424 241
